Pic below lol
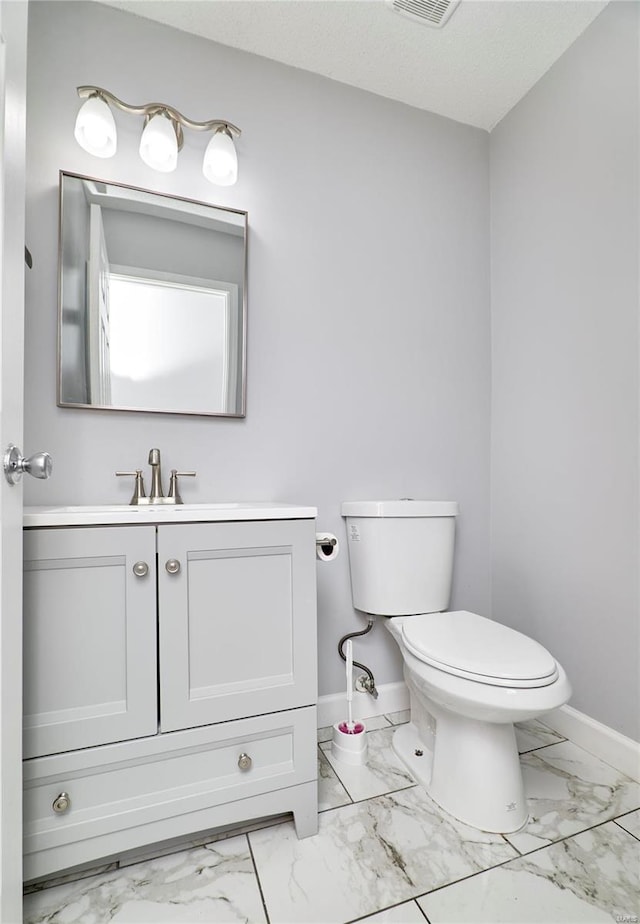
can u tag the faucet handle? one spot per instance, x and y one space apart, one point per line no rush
138 490
173 484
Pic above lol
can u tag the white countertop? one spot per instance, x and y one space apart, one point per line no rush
124 514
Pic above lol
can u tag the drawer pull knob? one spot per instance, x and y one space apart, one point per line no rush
61 803
141 569
244 762
173 566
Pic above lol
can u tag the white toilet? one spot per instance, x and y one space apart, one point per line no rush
469 678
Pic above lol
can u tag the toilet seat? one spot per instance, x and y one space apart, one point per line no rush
465 644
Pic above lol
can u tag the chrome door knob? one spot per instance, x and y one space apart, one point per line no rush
61 803
39 465
141 569
244 762
173 566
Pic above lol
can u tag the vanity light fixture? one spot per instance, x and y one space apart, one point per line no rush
96 128
162 135
220 165
159 144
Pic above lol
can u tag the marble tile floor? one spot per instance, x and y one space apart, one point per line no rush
387 854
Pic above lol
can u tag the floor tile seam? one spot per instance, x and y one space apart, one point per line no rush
513 846
387 792
365 917
337 808
507 862
346 791
568 837
257 875
513 859
541 747
270 823
380 795
628 812
417 786
473 875
119 865
445 885
559 743
366 799
622 827
330 808
596 757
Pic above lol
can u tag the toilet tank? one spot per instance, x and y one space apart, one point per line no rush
400 555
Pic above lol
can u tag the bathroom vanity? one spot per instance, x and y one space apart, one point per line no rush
170 675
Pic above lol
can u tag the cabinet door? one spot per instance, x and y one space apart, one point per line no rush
237 620
89 637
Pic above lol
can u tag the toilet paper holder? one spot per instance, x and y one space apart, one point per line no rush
327 546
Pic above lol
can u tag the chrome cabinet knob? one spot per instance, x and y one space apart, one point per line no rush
61 803
141 569
244 762
39 465
173 566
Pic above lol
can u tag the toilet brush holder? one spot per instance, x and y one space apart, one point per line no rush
349 743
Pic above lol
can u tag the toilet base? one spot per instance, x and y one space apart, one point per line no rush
473 771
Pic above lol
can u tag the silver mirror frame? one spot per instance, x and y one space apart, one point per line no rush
242 354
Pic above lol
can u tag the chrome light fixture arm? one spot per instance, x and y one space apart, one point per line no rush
162 136
151 109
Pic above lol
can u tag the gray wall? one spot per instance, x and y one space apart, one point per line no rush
368 331
564 196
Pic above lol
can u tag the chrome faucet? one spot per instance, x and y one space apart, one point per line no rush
156 477
156 495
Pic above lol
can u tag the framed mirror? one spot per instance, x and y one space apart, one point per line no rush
152 301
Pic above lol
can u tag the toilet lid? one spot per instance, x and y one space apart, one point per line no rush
467 645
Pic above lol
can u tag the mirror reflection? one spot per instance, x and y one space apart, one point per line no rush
152 301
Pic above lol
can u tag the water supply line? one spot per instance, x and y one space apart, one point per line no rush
366 683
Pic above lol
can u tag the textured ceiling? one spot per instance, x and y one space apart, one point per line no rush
473 70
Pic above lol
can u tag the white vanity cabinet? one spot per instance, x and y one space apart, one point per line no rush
170 677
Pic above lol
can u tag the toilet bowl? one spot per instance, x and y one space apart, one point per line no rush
460 744
469 678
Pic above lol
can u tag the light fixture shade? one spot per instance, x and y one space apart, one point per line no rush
220 165
159 144
95 129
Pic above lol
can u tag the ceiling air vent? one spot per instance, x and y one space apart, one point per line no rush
429 12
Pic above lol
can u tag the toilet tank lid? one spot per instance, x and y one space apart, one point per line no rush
407 507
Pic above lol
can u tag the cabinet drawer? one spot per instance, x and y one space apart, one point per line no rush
126 785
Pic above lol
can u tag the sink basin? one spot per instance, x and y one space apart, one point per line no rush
162 513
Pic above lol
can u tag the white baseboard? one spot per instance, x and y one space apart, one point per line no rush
609 745
392 697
